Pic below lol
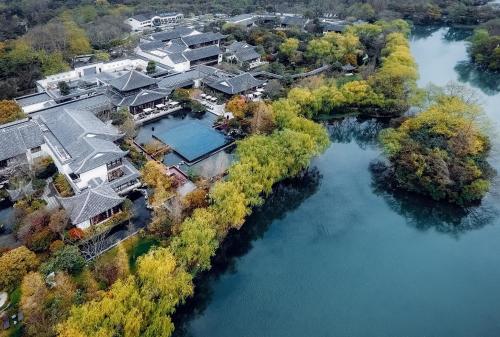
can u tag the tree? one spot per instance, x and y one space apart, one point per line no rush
237 105
14 264
154 176
441 152
197 241
262 120
64 88
289 48
151 67
274 90
112 266
42 307
59 220
181 95
68 259
10 111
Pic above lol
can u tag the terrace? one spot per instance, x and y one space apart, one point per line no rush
196 146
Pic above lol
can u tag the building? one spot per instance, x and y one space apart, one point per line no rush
142 22
93 206
85 77
134 90
293 22
334 26
171 34
238 85
243 53
184 52
21 143
83 149
243 20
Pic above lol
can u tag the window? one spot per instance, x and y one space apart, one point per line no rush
114 164
36 149
115 174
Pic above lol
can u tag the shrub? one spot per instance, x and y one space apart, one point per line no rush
62 185
68 259
14 264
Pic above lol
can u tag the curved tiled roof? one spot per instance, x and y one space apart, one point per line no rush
90 203
18 137
131 81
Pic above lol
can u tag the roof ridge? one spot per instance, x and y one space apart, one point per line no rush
85 203
129 77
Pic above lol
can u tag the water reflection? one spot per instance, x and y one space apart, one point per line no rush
286 196
424 213
488 82
362 131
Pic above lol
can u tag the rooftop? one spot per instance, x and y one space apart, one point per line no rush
235 85
201 53
80 139
39 97
18 137
192 40
131 80
91 203
174 33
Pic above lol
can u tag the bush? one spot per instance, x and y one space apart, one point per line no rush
68 259
14 264
62 185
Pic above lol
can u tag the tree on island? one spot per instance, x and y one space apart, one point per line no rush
441 152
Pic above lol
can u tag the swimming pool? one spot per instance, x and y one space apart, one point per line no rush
192 140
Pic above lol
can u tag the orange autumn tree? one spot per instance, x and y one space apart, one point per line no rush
10 111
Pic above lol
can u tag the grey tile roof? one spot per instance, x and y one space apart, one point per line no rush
27 100
201 53
132 80
96 103
171 34
142 17
91 203
181 79
334 27
243 51
235 85
97 152
144 96
177 58
241 17
192 40
236 45
297 21
18 137
80 139
148 46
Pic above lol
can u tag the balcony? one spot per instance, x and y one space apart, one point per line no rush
114 164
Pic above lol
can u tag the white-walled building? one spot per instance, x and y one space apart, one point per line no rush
89 72
185 52
20 144
83 149
142 22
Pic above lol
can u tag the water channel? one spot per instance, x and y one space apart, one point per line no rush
334 254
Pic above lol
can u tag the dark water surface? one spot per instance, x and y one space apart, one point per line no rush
333 254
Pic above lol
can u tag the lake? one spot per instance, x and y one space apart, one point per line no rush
333 254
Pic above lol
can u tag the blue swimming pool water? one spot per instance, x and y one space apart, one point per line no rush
192 139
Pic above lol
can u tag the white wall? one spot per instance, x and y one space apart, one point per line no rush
98 172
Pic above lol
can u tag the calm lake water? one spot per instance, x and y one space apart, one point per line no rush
333 254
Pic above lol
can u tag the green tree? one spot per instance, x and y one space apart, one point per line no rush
14 264
68 259
151 68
